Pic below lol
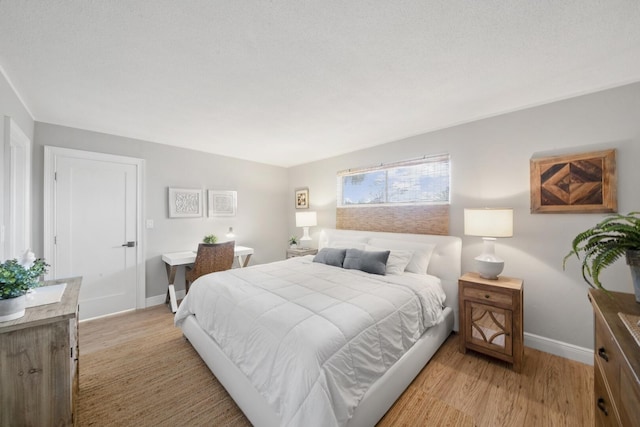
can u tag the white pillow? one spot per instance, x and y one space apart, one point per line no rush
347 244
421 252
398 260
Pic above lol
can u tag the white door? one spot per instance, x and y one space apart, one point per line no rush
95 228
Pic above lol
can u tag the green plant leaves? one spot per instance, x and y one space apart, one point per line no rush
601 245
15 280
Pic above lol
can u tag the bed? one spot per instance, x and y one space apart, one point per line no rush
360 352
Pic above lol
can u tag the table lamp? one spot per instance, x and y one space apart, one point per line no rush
488 223
230 234
306 220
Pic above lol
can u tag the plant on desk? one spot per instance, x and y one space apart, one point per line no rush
16 278
293 242
210 239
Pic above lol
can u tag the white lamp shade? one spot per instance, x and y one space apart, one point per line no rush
306 219
488 222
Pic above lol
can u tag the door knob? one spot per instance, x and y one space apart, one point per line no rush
130 245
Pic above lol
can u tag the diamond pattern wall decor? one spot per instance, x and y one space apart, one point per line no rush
579 183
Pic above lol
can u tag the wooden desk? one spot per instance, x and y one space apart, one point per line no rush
174 260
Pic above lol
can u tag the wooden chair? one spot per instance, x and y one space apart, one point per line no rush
210 258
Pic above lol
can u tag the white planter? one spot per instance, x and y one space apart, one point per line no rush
12 308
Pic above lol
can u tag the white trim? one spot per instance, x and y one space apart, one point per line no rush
50 154
559 348
15 91
17 189
107 315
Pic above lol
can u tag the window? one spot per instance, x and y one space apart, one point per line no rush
418 181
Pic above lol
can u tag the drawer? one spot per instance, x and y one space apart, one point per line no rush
605 411
488 296
608 357
629 398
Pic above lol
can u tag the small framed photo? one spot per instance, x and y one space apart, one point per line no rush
185 203
222 203
302 198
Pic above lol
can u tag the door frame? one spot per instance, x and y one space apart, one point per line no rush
51 153
17 170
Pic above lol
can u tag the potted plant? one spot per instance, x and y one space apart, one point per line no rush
16 278
210 239
293 242
601 245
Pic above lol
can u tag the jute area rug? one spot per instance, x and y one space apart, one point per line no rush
157 379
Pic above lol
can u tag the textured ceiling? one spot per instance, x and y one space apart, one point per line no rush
287 82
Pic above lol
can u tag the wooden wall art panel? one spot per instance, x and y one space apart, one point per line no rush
416 219
579 183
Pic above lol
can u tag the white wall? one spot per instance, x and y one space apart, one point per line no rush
490 167
260 221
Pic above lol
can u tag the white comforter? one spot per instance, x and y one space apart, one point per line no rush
312 338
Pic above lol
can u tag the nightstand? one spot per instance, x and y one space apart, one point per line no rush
300 252
491 319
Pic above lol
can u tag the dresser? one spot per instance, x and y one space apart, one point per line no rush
491 317
39 363
616 360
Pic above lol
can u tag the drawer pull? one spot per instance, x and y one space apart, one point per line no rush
487 296
603 354
602 406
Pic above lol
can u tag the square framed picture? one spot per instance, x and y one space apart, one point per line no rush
185 203
222 203
578 183
302 198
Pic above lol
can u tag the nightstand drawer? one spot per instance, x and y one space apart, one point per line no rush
488 296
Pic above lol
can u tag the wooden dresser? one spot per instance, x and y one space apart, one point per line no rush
39 363
617 361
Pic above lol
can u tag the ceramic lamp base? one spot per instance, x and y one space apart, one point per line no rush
488 265
489 269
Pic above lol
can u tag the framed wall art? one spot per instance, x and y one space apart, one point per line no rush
222 203
185 203
578 183
302 198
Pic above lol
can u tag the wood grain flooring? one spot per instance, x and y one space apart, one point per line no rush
134 368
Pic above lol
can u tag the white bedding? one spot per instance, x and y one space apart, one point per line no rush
312 338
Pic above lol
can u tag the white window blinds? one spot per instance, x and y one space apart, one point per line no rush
418 181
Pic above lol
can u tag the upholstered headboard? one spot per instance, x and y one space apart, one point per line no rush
445 261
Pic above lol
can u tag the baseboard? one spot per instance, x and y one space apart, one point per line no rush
559 348
160 299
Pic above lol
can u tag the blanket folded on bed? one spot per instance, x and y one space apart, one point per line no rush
313 338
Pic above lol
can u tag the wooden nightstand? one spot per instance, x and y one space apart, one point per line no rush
491 320
300 252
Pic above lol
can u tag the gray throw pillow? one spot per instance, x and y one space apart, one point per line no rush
367 261
331 256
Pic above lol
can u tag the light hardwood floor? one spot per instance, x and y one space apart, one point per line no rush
550 390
